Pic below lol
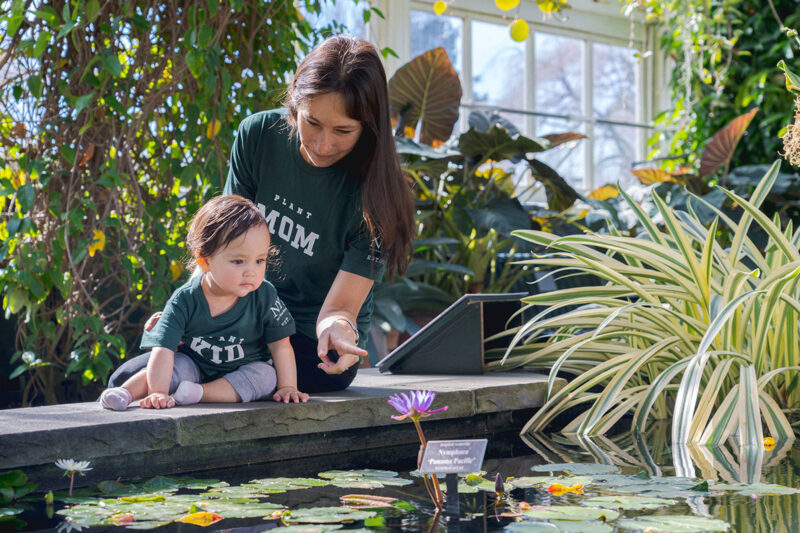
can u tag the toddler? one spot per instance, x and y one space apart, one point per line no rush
224 335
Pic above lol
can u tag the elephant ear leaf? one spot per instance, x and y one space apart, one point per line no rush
497 144
719 151
427 89
560 196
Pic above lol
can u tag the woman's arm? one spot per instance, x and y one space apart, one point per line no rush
159 375
344 301
283 359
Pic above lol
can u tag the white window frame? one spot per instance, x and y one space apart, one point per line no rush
591 21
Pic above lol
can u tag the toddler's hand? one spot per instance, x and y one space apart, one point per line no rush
289 394
157 400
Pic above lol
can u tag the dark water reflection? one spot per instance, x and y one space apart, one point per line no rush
511 456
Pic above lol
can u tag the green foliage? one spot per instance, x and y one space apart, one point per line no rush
725 55
13 486
675 303
115 124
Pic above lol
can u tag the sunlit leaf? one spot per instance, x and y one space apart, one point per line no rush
792 79
428 89
605 192
648 176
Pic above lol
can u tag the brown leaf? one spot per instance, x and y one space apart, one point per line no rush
561 138
86 155
720 150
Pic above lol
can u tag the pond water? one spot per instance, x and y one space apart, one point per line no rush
628 484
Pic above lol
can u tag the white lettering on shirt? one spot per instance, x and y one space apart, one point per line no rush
291 232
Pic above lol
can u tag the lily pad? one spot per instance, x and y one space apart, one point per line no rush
577 468
240 492
241 510
322 515
8 511
570 512
147 524
757 489
546 481
558 526
282 484
364 479
673 523
627 503
161 483
309 528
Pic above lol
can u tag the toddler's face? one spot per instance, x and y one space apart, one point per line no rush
240 267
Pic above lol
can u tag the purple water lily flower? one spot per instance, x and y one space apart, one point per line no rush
414 405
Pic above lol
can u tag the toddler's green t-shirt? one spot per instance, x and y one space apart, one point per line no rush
221 344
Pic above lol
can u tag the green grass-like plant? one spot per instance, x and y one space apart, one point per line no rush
681 329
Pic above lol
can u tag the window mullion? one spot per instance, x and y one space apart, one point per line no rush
466 71
530 78
588 112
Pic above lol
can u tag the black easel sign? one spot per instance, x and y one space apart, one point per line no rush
453 456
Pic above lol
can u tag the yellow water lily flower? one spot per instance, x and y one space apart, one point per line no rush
557 489
201 518
98 244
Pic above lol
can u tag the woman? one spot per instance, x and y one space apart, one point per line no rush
325 174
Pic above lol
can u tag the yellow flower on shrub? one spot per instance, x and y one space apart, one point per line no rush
213 128
769 443
176 268
98 243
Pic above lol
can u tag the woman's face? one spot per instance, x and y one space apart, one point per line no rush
326 133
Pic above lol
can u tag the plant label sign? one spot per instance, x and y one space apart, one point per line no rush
453 456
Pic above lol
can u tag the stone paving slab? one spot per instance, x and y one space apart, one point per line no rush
218 435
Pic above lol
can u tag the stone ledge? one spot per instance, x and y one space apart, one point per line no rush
37 436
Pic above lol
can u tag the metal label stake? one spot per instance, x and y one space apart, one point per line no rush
453 457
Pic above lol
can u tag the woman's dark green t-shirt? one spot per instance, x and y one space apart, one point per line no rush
314 216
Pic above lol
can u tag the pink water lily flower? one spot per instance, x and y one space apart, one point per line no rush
414 405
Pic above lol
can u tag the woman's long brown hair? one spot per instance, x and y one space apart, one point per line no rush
353 68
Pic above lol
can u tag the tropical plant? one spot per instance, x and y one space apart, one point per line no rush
725 54
115 123
465 187
674 304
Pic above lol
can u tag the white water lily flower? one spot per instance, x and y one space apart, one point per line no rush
71 466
